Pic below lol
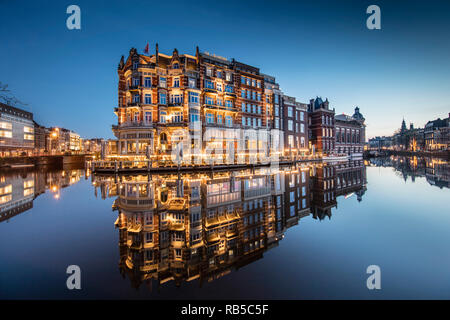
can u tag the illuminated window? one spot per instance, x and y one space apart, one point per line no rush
291 141
6 189
6 134
4 199
28 129
162 117
28 184
5 125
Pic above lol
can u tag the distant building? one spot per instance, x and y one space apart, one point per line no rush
40 138
380 142
92 145
350 134
411 139
16 131
61 140
437 134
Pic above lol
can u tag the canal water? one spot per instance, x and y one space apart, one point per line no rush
304 232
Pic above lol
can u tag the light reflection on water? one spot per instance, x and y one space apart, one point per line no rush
302 232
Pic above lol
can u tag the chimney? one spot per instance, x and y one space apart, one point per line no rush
157 52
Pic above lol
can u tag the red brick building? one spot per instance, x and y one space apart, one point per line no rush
321 126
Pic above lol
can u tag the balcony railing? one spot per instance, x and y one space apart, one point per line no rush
135 124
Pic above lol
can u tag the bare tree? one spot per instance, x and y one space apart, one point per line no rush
7 97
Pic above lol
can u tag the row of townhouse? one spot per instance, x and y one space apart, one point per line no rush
20 135
207 106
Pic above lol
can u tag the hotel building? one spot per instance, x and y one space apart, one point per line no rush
190 105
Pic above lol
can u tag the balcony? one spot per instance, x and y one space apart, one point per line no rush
175 72
132 124
175 104
219 107
133 104
209 90
221 125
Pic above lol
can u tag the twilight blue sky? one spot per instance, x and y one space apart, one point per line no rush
315 48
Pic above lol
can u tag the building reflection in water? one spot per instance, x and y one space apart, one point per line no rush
203 225
19 189
436 171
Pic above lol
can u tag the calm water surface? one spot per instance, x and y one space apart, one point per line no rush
307 232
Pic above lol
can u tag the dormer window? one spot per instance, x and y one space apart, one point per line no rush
176 66
135 65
